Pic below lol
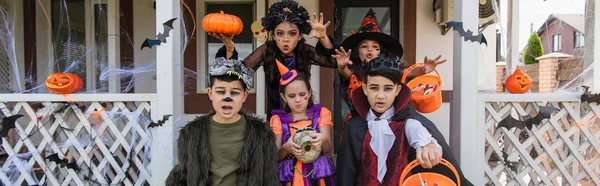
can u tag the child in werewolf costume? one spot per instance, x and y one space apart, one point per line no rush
377 143
226 146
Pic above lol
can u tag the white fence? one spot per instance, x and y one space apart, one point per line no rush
560 150
97 139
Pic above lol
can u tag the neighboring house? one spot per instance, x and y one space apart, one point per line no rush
563 33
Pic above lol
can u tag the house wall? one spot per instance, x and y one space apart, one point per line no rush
567 38
430 42
144 16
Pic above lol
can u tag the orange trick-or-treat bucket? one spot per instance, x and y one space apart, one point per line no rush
428 178
426 90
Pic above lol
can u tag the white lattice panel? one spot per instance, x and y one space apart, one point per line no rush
107 141
561 150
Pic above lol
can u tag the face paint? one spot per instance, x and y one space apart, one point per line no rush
228 99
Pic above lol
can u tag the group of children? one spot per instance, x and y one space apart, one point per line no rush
383 133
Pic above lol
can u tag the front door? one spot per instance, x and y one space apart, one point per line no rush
349 15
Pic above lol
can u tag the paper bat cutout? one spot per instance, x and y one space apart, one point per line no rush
588 97
160 121
528 122
8 123
161 37
468 35
62 162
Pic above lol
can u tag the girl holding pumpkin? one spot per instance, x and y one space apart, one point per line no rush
301 119
286 22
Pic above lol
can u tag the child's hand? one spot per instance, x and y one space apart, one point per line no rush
342 57
317 141
429 155
293 148
319 30
431 64
226 39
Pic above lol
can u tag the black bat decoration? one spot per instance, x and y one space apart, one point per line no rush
161 37
468 35
588 97
63 162
528 122
8 123
160 121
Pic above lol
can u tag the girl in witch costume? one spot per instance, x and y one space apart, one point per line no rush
286 22
370 43
300 113
226 146
387 133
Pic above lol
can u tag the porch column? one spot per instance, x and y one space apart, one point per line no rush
169 89
512 48
114 52
467 145
596 63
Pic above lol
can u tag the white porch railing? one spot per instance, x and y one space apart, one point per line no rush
105 137
561 150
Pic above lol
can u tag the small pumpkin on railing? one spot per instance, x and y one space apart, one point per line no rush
221 23
518 82
64 83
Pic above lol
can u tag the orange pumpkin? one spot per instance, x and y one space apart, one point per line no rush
518 82
60 83
222 23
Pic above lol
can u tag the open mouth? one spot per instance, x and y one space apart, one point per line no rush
286 47
227 109
523 86
379 104
369 56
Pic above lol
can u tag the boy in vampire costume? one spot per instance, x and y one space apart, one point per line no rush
226 146
387 133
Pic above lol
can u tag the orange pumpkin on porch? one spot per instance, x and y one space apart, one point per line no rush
66 83
518 82
222 23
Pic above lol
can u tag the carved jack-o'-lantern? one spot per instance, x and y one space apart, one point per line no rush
60 83
222 23
518 82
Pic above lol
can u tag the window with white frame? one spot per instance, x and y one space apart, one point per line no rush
578 40
74 35
244 42
556 43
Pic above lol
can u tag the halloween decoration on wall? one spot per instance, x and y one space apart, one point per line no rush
64 83
8 123
161 37
544 113
221 23
160 121
588 97
63 162
259 32
303 138
518 82
468 35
